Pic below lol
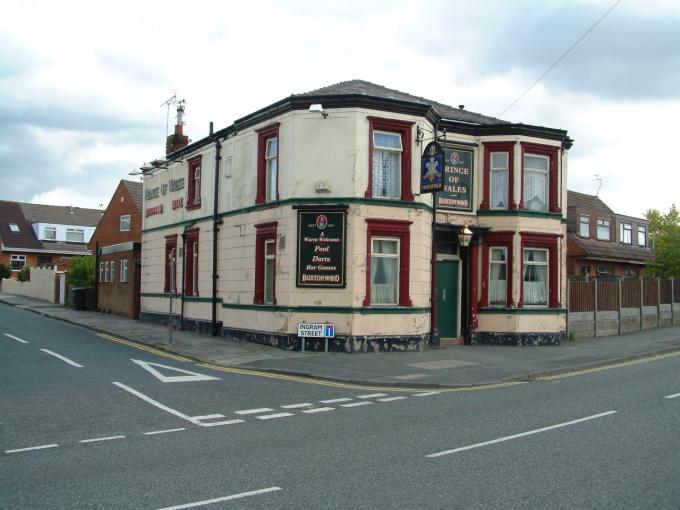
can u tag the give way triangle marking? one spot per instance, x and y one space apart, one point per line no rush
189 377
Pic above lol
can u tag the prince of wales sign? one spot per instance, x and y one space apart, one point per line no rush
457 191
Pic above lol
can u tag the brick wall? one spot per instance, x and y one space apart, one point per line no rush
108 231
120 298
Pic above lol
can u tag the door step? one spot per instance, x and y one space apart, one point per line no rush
445 342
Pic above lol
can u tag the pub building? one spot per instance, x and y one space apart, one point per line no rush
397 219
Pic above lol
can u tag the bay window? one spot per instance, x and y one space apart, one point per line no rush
539 270
389 162
497 269
499 180
536 182
498 276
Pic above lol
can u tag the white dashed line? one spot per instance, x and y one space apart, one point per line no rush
296 406
335 400
97 439
208 417
15 338
156 432
318 410
390 399
219 500
30 449
219 423
673 396
254 411
356 404
373 395
62 358
427 394
272 416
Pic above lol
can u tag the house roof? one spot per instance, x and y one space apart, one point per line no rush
583 201
136 190
613 250
365 88
10 212
61 214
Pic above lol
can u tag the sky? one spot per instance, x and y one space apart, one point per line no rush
82 83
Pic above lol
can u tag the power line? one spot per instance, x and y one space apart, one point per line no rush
561 57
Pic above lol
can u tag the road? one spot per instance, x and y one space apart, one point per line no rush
91 422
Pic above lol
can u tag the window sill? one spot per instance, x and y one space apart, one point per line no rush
538 310
193 206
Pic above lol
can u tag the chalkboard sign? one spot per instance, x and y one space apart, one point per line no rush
321 248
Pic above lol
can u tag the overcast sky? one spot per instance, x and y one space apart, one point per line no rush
81 82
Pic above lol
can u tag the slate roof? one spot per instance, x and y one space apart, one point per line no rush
10 212
136 189
613 250
583 201
61 214
365 88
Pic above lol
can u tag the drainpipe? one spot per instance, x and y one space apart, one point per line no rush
96 276
184 277
216 224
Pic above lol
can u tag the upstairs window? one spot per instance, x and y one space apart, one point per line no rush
268 164
194 187
14 227
626 233
642 235
75 235
387 153
499 180
125 221
584 226
536 182
603 231
271 157
50 233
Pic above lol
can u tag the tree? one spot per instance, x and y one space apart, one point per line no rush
82 272
664 234
5 271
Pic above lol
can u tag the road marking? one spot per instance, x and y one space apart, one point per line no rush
335 400
15 338
208 417
427 394
30 449
220 423
97 439
318 410
373 395
156 432
272 416
356 404
219 500
673 396
144 348
296 406
188 377
158 404
522 434
390 399
254 411
62 358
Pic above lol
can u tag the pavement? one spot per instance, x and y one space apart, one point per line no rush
445 367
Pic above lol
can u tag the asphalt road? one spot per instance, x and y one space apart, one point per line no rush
89 422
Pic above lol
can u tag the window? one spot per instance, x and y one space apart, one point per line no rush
389 161
170 263
540 270
536 182
605 271
535 277
388 254
106 272
267 164
498 276
630 274
626 233
496 268
498 192
101 272
123 270
191 263
265 264
194 188
585 270
125 223
584 226
50 233
112 268
642 235
75 235
540 184
17 262
14 227
603 232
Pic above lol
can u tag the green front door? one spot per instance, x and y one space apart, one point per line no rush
447 298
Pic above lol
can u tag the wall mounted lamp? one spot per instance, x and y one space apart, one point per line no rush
465 236
317 107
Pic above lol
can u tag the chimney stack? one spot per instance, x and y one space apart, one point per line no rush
178 140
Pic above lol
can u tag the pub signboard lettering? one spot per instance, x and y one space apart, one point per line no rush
457 191
321 248
432 168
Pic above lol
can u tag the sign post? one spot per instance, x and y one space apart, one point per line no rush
323 330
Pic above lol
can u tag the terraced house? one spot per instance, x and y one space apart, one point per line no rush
310 210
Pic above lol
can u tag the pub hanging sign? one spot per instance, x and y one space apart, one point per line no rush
432 168
321 248
458 175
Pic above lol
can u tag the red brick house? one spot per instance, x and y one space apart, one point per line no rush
117 243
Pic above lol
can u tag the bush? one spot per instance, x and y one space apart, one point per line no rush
82 272
5 271
24 275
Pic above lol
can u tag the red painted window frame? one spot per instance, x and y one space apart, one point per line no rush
170 243
497 240
405 129
265 232
551 242
263 134
390 228
189 240
191 186
552 153
490 147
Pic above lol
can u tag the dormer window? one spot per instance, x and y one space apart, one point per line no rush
14 227
50 233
